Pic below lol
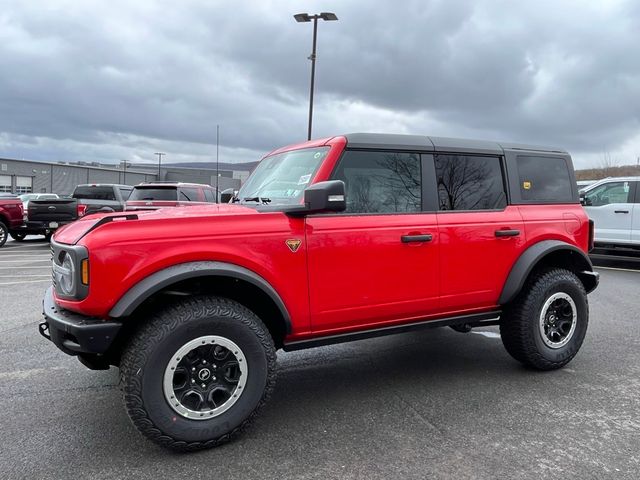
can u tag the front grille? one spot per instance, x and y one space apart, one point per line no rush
53 276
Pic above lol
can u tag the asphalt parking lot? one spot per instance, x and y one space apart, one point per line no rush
433 404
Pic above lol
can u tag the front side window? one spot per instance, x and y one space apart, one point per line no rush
613 192
544 179
281 179
467 182
381 182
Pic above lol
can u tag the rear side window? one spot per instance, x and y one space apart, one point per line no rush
544 179
467 182
189 195
381 182
167 194
95 193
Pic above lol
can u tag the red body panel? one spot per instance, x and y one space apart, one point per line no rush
11 212
350 272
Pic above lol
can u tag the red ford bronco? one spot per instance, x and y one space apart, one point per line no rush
328 241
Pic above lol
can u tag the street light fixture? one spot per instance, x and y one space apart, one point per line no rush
160 154
303 18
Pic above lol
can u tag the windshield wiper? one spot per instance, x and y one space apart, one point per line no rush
263 200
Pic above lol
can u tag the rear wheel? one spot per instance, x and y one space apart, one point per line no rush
198 373
544 327
4 232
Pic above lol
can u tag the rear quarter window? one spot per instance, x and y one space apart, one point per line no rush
544 179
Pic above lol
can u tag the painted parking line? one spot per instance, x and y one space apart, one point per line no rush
22 275
597 267
44 267
27 281
25 261
28 255
16 251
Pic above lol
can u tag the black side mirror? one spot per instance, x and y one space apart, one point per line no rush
320 197
325 197
227 195
585 201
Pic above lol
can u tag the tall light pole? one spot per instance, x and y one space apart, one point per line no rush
305 17
160 154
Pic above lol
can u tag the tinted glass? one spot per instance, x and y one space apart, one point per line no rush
381 182
154 193
189 195
612 192
208 195
468 182
544 179
94 193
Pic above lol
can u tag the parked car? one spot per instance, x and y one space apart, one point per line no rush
11 215
328 241
151 196
614 205
45 216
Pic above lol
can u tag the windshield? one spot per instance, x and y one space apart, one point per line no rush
154 193
280 179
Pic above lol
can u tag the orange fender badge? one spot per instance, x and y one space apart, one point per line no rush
293 244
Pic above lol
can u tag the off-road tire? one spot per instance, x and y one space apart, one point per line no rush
519 324
147 355
4 233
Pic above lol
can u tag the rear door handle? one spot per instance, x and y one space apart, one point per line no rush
507 233
621 211
416 238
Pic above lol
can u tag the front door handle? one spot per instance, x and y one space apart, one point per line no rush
507 233
621 211
416 238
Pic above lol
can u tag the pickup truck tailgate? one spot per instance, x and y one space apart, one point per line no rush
61 210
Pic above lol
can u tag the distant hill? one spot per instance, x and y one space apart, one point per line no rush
598 173
249 166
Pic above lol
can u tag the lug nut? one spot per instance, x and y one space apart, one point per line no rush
193 369
203 385
213 377
193 381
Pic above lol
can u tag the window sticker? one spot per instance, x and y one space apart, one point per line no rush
317 155
526 185
304 179
626 187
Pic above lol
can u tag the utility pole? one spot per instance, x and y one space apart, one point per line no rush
217 160
305 17
160 154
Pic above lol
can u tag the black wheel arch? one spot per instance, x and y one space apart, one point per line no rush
180 275
548 253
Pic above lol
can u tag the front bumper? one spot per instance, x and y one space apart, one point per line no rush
73 333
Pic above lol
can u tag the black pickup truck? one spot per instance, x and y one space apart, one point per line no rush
45 216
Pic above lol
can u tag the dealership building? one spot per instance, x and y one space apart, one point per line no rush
22 176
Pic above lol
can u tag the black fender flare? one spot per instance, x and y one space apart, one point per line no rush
155 282
533 255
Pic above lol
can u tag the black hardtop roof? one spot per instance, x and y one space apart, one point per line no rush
445 144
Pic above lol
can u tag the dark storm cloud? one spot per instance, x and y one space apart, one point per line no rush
120 78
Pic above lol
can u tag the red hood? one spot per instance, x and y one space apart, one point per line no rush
70 234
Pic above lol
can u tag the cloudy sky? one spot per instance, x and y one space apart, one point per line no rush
109 80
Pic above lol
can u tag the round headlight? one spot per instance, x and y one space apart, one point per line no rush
67 275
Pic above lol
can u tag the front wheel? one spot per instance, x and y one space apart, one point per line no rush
18 236
545 325
198 373
4 232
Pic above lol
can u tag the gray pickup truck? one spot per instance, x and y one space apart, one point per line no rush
45 216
